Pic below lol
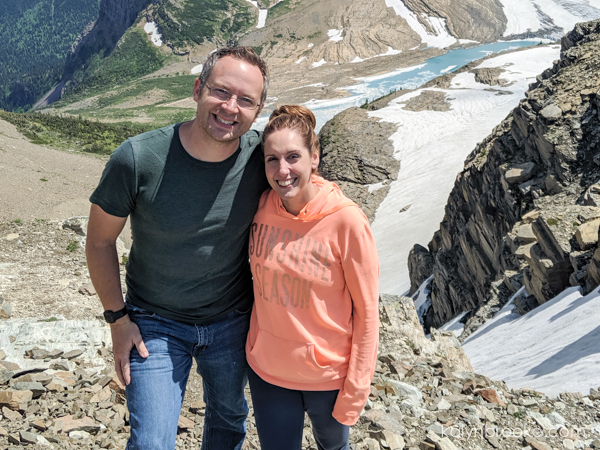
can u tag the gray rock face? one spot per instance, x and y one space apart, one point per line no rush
358 155
488 75
471 19
420 267
518 206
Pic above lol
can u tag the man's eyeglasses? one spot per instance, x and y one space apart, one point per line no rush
224 96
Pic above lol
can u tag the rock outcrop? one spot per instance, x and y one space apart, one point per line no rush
482 21
524 211
424 395
358 155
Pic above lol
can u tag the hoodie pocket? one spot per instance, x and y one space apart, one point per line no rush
288 360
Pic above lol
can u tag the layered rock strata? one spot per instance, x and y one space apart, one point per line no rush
524 209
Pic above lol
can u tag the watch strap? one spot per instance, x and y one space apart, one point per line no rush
113 316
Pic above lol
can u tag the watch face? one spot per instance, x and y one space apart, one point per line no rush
108 316
112 316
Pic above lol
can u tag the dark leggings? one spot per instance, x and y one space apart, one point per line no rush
279 415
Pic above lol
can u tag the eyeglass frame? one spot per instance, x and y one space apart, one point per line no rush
229 96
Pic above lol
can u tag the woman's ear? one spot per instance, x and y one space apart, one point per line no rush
315 161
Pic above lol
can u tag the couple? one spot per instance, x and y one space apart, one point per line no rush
278 286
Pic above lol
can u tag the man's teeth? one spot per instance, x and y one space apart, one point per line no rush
226 122
285 183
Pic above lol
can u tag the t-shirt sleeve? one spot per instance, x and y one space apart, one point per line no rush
116 192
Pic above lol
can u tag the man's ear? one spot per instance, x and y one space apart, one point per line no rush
197 87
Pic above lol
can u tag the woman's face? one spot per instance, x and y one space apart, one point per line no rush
289 166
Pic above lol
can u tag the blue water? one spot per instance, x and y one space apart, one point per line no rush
407 78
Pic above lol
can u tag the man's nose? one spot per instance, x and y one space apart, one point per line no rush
231 104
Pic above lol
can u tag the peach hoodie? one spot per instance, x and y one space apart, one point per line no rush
315 322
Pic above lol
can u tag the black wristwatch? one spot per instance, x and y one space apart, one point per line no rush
113 316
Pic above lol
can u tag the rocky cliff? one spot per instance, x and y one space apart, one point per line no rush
358 155
525 211
481 21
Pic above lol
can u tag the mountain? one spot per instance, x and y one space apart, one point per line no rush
331 41
36 36
525 209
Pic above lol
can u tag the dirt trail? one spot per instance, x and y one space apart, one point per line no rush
41 183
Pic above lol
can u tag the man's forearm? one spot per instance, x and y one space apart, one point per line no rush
103 264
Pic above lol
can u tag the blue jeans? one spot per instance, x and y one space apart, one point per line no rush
155 394
279 415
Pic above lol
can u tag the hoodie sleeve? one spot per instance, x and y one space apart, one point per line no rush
361 272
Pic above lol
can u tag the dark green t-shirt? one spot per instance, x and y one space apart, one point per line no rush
189 220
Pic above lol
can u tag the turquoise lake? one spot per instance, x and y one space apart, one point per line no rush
370 88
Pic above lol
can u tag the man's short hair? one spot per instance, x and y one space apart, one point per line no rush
243 53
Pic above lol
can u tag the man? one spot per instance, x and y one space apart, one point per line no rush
191 191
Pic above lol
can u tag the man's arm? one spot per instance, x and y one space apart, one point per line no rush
103 264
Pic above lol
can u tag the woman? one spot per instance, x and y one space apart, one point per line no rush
313 337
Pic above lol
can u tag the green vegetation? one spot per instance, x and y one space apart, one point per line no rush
72 246
36 36
199 21
371 105
124 260
134 57
143 95
280 9
18 221
63 132
49 319
552 221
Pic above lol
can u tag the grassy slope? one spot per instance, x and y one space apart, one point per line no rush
72 132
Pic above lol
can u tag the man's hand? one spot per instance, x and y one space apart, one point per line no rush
126 335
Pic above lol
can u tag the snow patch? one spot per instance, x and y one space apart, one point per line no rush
335 35
553 348
426 136
300 60
319 63
422 299
447 69
375 186
311 45
390 51
262 14
152 31
262 18
454 325
524 15
196 69
441 37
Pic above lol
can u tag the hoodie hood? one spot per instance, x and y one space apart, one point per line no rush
328 200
